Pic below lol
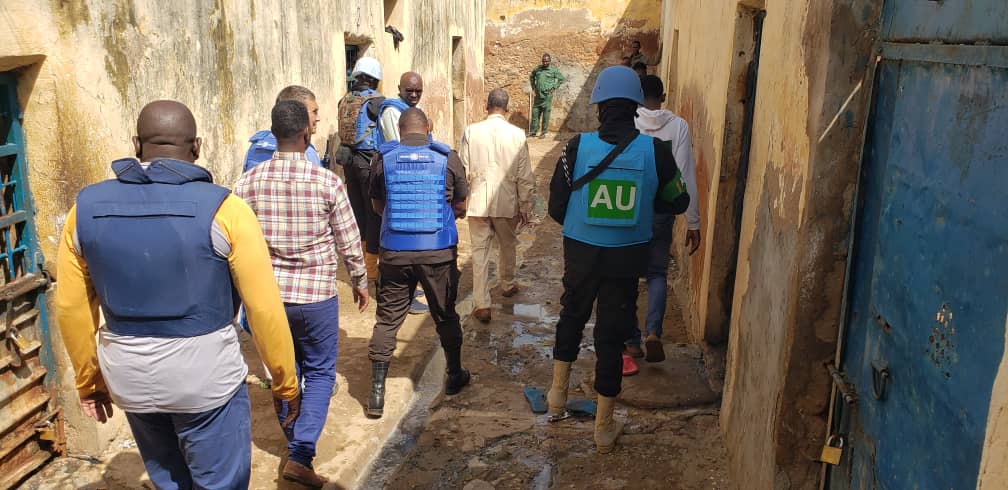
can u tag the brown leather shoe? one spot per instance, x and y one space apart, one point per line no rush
509 292
299 473
482 314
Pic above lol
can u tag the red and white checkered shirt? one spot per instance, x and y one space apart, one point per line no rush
306 218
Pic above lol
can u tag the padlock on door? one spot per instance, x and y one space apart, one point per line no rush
832 451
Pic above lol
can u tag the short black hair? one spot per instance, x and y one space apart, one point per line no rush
290 118
498 99
652 86
640 65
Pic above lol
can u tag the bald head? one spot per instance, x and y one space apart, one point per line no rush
414 121
411 88
166 129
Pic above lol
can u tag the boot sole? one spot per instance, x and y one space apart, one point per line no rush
605 449
299 481
375 414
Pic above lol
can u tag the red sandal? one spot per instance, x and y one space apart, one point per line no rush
629 366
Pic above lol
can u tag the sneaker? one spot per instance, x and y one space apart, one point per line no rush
655 350
634 350
629 366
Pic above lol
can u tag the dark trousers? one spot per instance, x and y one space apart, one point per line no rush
315 329
605 278
206 450
396 285
358 184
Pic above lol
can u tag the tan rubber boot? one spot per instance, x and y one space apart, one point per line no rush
607 429
557 396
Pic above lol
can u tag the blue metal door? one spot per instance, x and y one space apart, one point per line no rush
30 425
928 296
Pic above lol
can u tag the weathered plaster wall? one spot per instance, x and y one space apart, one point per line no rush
994 462
86 67
795 219
582 37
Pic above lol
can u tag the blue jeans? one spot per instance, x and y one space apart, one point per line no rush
657 278
315 328
207 450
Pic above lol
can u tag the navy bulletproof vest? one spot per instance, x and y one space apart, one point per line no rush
146 237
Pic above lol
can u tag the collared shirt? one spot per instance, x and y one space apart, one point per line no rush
176 375
544 80
643 58
262 148
496 160
306 218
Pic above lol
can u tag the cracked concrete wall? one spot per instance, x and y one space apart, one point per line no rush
582 37
86 67
792 247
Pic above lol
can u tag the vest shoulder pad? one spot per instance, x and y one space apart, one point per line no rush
440 147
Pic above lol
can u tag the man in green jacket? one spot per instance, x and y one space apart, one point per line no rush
544 80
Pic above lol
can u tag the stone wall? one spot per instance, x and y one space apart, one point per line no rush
778 306
582 37
86 67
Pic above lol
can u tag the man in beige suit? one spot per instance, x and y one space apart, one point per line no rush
501 189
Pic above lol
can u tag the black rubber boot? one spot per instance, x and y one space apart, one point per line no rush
457 377
376 404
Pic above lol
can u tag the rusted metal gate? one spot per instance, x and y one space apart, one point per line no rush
30 424
929 277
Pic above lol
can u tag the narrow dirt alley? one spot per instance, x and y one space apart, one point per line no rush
487 436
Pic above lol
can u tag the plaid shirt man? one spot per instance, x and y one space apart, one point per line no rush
306 219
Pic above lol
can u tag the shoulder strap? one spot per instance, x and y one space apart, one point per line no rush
604 164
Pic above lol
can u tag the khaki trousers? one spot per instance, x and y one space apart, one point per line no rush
482 231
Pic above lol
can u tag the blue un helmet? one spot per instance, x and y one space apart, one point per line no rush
617 82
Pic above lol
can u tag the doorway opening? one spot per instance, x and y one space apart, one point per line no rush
739 115
458 78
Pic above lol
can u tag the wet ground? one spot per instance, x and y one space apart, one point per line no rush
487 436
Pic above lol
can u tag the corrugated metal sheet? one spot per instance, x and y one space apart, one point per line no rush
30 427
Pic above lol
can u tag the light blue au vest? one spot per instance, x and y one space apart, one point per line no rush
365 128
417 214
616 209
146 238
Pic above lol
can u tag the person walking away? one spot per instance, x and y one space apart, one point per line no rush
306 218
673 131
419 188
544 79
501 190
605 190
389 111
167 255
263 143
358 133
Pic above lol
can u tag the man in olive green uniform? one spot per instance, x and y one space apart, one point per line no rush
544 80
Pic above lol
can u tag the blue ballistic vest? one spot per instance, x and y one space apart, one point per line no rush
146 238
616 209
390 102
417 214
366 128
